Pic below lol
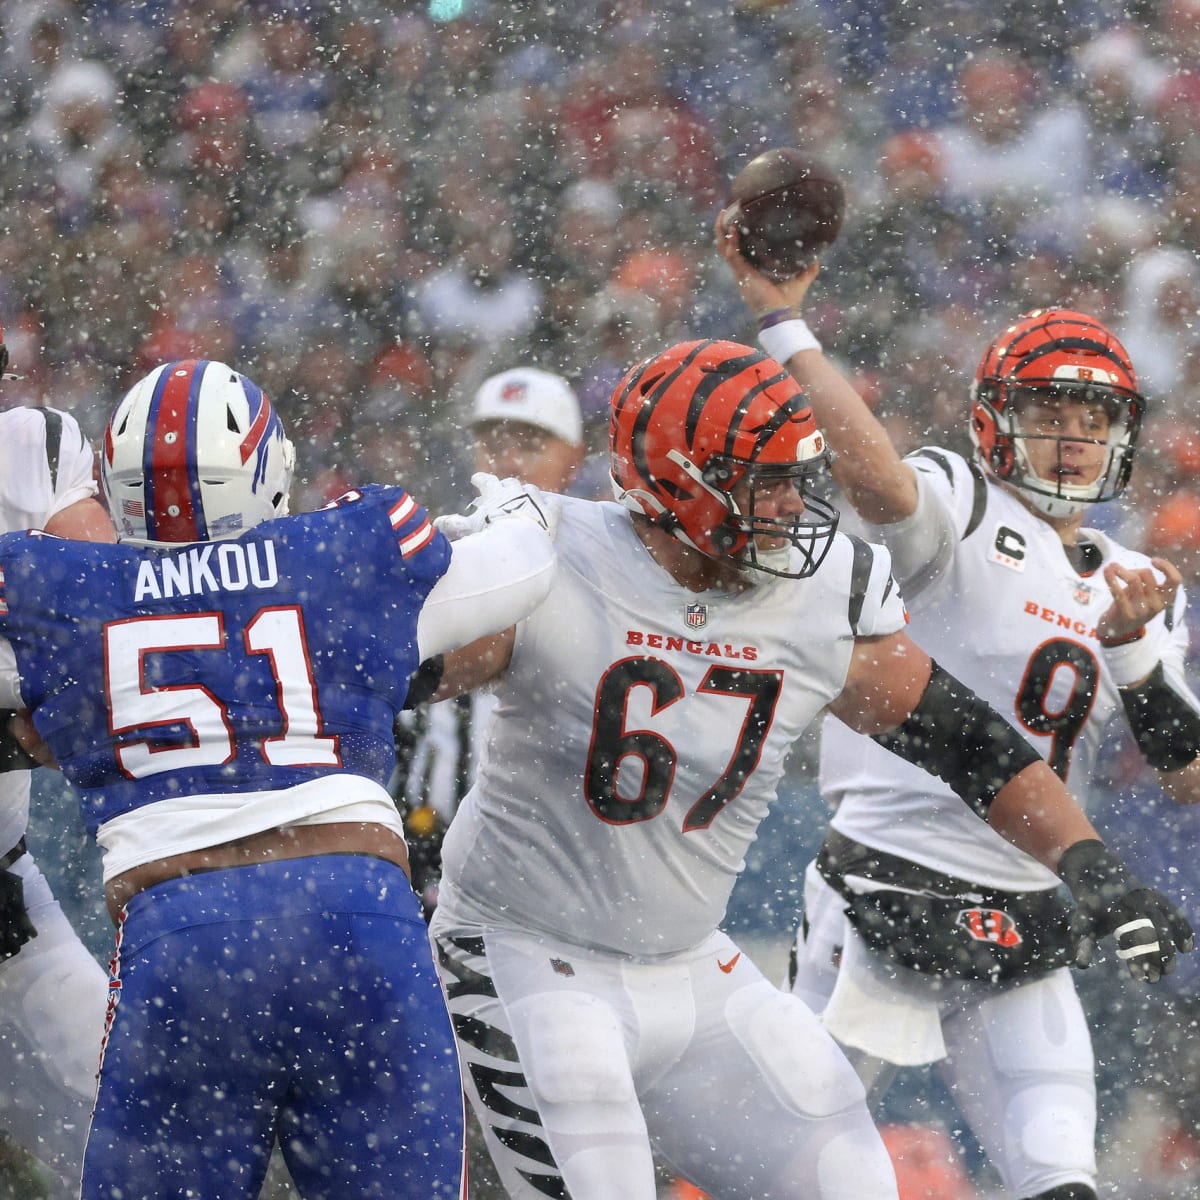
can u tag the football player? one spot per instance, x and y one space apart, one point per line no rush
928 938
693 630
52 991
525 424
220 687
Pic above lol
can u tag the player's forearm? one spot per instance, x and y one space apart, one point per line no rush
1182 786
876 481
496 577
1036 814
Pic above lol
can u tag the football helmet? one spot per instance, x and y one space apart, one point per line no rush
1055 354
704 420
194 452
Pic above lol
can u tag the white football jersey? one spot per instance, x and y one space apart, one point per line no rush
45 466
996 601
639 735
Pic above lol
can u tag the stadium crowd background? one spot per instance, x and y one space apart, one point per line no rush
370 205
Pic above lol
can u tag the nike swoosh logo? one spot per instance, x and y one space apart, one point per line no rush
733 962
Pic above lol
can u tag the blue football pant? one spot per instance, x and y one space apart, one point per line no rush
295 999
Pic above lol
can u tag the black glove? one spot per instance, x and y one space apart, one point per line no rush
15 926
3 358
1147 926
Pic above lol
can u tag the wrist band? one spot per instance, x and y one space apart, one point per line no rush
787 338
776 316
1129 662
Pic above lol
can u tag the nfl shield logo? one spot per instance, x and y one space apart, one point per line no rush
697 615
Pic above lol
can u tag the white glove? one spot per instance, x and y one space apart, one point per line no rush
501 500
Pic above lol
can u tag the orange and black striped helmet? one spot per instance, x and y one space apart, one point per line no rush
1055 354
693 423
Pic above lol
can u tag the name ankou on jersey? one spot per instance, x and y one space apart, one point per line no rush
1060 620
661 641
223 567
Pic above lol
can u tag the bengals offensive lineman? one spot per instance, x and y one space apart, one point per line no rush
693 630
927 937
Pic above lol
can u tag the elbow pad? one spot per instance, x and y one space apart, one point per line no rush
961 739
1165 722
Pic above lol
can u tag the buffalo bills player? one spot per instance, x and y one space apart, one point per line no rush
693 630
51 988
927 937
220 687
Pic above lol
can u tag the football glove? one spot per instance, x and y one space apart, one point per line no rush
15 926
502 500
5 373
1145 924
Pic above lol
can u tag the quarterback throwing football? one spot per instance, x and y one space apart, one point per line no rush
927 937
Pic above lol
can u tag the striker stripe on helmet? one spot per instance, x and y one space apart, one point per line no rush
170 454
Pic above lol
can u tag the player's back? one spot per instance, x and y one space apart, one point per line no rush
248 665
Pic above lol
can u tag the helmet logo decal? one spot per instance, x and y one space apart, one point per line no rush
264 426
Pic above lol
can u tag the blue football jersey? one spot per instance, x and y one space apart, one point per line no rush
247 665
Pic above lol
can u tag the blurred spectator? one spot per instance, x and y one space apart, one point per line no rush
289 88
38 39
903 248
668 277
1118 79
481 298
1161 325
1176 112
1017 159
73 132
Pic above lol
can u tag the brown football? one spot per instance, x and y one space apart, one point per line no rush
788 207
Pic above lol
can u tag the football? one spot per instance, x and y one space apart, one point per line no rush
787 207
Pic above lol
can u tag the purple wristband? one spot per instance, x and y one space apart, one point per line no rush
776 317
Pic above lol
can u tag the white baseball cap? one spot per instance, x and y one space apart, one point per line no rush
534 397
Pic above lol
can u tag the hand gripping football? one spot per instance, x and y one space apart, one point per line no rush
787 207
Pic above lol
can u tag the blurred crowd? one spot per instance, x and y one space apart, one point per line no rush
371 205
